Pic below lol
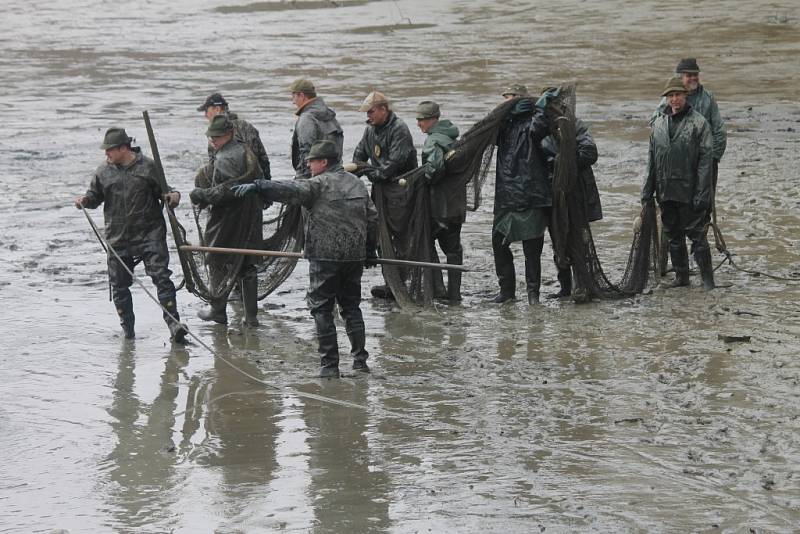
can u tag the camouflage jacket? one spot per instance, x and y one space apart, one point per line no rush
232 222
586 157
131 198
703 102
341 222
246 133
679 165
447 203
315 122
389 147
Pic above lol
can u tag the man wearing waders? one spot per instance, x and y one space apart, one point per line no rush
339 239
128 187
232 222
679 170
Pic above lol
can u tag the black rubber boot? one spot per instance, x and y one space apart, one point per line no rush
215 312
249 290
703 259
533 267
504 268
177 331
454 278
126 317
381 292
680 263
565 281
357 350
328 346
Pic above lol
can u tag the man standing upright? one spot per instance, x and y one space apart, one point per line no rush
128 187
243 131
315 122
448 211
340 236
679 171
232 222
523 195
388 146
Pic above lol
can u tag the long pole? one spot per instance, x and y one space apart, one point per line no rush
281 254
173 221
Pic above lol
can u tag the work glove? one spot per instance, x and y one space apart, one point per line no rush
372 256
375 176
243 189
522 107
172 199
198 197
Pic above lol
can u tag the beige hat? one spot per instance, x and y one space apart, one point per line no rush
674 84
373 99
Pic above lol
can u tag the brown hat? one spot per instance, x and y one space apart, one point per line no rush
303 86
115 137
219 126
674 85
214 99
375 98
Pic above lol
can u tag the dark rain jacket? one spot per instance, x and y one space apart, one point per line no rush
703 102
389 147
315 122
447 203
131 198
680 163
341 221
586 157
522 180
232 222
246 133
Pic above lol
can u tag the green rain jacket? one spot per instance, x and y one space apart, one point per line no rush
447 203
703 102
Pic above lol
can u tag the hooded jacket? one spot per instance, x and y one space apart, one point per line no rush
315 122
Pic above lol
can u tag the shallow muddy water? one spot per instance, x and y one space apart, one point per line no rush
629 416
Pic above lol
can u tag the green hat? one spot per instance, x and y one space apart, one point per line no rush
674 84
688 65
516 89
428 110
324 149
303 86
115 137
219 126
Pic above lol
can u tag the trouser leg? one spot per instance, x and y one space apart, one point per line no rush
674 230
533 267
349 298
121 281
321 297
216 310
696 231
249 291
450 241
504 266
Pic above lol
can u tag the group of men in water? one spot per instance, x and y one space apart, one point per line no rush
686 143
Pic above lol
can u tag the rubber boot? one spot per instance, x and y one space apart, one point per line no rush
533 268
329 356
177 331
249 290
680 263
703 259
215 312
504 268
381 292
454 278
126 318
357 350
565 281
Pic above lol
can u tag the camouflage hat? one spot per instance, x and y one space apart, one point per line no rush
428 110
324 149
219 126
214 99
674 85
303 86
516 89
373 99
115 137
688 65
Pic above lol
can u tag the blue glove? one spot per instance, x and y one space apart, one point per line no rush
523 106
243 189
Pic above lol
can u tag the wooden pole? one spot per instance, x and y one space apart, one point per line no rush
281 254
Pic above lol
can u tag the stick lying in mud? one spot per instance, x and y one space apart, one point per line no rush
281 254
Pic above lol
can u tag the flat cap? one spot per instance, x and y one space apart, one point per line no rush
324 149
214 99
428 110
674 85
516 89
115 137
302 85
688 65
373 99
219 126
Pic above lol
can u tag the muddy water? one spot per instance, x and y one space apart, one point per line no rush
628 416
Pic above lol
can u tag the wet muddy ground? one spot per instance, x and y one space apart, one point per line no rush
629 416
